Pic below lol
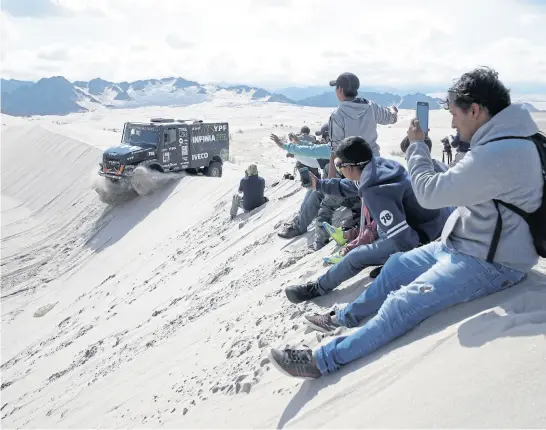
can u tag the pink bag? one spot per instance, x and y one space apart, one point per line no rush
368 231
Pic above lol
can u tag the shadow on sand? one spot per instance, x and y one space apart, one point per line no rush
523 305
117 220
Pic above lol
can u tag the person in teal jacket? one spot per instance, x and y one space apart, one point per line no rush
319 151
314 205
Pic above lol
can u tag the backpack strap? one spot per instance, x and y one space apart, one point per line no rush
509 137
513 208
496 235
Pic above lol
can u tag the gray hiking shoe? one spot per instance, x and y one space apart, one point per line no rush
302 293
318 246
298 363
289 231
323 323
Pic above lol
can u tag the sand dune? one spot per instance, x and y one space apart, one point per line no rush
158 312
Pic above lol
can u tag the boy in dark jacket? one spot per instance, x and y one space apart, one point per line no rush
362 235
385 189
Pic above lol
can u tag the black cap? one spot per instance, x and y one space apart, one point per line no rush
323 130
305 130
348 82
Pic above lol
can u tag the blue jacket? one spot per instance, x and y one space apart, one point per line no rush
386 190
320 152
252 188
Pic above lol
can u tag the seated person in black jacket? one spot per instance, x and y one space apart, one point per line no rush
251 192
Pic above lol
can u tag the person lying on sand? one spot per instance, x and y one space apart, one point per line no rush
471 260
386 190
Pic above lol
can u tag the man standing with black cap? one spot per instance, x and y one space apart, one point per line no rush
356 116
353 117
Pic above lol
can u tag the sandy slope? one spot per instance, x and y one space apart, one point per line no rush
48 208
158 312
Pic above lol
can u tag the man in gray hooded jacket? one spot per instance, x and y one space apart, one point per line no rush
356 116
353 117
461 267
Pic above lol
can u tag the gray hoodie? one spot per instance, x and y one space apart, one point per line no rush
359 117
507 170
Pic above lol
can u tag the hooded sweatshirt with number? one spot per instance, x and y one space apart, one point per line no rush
385 189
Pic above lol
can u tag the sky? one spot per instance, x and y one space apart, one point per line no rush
276 43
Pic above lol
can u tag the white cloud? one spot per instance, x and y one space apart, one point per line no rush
266 42
54 53
175 41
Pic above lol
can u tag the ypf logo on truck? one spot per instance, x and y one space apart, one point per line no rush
202 156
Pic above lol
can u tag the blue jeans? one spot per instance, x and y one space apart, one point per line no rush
320 206
374 254
309 210
411 287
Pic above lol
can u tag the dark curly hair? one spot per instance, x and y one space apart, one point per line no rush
482 86
354 149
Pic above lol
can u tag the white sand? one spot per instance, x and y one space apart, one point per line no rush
159 312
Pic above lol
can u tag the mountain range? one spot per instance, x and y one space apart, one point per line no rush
59 96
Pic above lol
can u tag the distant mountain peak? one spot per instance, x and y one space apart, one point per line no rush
57 96
48 96
279 98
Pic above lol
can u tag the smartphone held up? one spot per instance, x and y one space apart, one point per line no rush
421 112
305 177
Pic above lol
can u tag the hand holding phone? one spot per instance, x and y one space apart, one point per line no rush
415 134
305 177
308 179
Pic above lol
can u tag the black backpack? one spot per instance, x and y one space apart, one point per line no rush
537 219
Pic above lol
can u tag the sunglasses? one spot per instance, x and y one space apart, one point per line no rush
341 164
454 95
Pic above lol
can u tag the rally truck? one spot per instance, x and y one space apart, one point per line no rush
149 150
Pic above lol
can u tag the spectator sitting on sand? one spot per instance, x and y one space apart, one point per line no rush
312 206
385 188
477 256
251 192
368 231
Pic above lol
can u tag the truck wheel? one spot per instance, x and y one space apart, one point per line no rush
144 180
224 155
113 192
214 170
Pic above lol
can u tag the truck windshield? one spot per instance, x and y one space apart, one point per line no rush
140 135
